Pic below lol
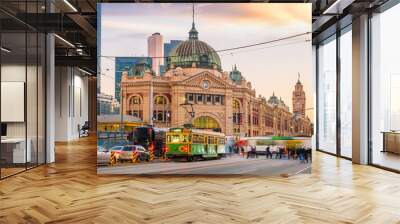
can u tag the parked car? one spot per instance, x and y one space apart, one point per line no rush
144 154
103 155
125 152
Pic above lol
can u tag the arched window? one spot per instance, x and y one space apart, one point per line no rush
135 107
235 105
205 122
135 100
236 115
162 111
160 100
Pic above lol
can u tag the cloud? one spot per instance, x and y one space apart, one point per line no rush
258 13
271 14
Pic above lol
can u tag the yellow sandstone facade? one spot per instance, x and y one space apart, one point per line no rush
218 102
195 90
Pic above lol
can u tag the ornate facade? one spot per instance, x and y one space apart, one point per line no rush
195 90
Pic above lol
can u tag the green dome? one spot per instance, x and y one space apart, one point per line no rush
235 75
194 51
273 99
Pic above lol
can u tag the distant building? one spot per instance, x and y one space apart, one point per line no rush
168 47
125 64
155 49
104 104
115 106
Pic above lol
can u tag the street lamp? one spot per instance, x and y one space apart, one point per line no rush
189 110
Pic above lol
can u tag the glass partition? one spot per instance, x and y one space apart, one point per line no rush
22 77
31 97
41 97
385 89
327 95
13 91
346 93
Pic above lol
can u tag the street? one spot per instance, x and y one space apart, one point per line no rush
230 165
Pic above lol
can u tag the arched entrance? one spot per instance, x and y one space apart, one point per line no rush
206 122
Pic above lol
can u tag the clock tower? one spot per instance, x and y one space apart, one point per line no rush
299 99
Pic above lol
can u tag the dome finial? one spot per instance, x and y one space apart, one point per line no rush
193 14
298 78
193 34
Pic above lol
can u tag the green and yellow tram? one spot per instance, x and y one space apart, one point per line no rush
194 144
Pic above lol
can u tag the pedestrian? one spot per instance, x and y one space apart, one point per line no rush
268 153
242 151
273 153
280 152
249 150
301 154
293 153
254 149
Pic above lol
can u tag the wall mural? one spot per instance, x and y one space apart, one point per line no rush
204 89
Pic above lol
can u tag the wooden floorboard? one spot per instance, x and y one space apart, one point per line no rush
70 191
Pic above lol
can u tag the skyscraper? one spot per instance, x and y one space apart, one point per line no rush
126 64
299 99
168 48
155 49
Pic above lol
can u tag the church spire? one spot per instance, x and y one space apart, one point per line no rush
193 34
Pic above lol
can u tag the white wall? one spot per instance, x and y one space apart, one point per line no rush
10 73
33 126
71 102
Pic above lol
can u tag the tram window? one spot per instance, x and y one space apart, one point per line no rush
168 138
210 140
198 139
175 139
195 137
185 138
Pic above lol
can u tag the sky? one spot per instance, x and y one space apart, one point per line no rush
270 68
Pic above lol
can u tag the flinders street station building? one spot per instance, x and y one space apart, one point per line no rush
195 90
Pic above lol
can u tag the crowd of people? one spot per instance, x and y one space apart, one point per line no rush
300 153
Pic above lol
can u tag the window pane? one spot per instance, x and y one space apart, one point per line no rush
346 94
41 98
31 97
327 96
385 89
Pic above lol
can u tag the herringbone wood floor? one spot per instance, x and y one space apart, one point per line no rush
70 191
